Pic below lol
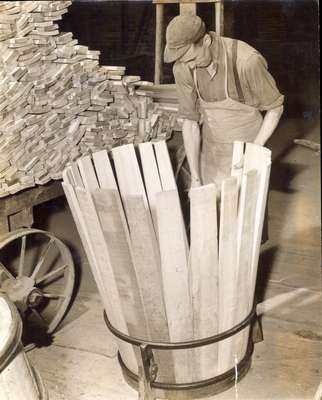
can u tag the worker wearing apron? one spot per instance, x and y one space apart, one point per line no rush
223 87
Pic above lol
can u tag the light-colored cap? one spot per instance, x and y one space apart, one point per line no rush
182 32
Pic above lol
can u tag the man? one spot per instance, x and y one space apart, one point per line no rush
223 87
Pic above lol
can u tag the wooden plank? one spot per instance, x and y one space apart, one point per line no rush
114 229
105 270
204 276
259 158
175 277
87 172
74 171
168 181
151 177
146 257
227 268
167 178
128 173
238 152
245 242
104 170
83 233
68 176
125 349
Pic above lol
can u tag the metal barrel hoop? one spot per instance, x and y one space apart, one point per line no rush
148 370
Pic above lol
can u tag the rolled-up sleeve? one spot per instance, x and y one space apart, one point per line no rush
261 83
187 94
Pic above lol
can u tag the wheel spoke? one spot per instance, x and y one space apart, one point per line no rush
4 270
51 274
42 258
53 296
22 256
40 318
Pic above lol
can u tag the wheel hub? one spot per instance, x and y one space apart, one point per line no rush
22 292
34 298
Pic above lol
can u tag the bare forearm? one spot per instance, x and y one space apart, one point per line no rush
191 139
269 125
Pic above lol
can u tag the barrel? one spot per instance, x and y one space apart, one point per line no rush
18 379
179 301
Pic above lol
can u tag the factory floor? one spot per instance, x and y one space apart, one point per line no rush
81 362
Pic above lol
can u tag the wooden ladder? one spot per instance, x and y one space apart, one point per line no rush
186 7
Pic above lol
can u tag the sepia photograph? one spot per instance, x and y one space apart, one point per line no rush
160 200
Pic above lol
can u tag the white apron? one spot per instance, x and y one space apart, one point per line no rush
224 122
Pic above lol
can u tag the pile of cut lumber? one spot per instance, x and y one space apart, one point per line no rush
153 284
57 103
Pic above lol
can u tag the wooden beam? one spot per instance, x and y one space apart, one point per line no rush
219 7
159 28
188 8
31 197
204 276
184 1
22 219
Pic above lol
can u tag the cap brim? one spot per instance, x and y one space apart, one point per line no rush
172 55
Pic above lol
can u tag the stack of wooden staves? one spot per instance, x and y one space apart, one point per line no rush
153 284
57 103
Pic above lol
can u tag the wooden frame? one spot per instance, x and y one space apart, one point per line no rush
18 207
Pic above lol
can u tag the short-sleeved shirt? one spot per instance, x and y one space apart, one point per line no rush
257 84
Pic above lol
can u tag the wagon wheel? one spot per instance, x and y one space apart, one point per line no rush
37 273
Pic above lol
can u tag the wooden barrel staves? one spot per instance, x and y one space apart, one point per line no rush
156 284
18 379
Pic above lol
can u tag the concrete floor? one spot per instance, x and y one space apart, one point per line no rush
81 362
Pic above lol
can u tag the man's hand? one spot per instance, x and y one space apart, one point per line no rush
195 182
269 124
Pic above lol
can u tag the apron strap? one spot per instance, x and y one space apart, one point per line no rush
194 72
236 76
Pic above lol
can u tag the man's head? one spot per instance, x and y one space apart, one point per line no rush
187 41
